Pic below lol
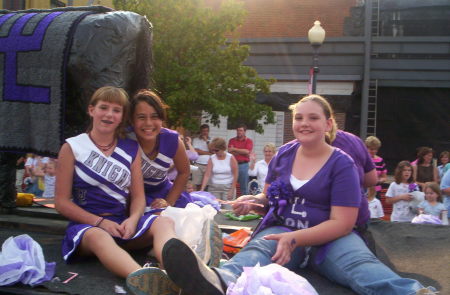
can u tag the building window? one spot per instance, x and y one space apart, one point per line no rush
14 4
56 3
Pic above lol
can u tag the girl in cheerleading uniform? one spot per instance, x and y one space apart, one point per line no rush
99 189
161 148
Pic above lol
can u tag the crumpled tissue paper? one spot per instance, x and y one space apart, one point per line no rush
272 279
22 260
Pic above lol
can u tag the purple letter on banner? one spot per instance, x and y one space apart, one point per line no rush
16 42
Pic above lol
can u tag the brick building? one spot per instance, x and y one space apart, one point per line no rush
275 21
384 65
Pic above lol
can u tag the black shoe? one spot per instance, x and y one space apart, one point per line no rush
188 271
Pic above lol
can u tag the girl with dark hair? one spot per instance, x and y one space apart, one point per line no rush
161 147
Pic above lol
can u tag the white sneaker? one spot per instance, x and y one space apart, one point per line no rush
203 248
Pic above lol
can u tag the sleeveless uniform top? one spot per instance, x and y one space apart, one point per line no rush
101 183
424 173
155 172
221 170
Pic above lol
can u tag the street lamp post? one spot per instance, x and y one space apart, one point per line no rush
316 36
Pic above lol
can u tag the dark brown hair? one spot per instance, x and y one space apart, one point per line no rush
151 98
422 153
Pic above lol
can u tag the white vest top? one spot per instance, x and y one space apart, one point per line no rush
221 170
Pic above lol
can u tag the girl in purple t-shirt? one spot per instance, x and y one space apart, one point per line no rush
313 202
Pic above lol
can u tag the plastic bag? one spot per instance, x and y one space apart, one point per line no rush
189 221
417 198
234 242
202 199
272 279
249 216
22 260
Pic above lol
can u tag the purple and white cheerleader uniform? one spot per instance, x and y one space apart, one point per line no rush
101 186
156 182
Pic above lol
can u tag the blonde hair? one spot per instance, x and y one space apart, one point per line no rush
330 136
116 95
218 143
372 142
270 146
435 188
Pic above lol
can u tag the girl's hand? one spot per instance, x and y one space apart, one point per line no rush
245 207
407 197
286 244
159 203
111 227
129 227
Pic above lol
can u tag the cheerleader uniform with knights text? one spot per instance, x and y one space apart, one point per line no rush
156 182
101 186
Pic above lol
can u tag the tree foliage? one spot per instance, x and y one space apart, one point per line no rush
197 65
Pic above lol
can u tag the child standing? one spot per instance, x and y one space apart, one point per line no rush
373 144
48 175
432 204
399 191
375 206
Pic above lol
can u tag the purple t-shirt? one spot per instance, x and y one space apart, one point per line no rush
335 184
355 148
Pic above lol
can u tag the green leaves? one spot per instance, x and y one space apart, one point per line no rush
196 66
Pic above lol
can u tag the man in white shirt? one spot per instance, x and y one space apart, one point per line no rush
201 145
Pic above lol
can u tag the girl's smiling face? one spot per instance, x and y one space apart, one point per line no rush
146 122
310 123
106 116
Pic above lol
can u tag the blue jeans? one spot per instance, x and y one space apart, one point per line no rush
243 178
348 262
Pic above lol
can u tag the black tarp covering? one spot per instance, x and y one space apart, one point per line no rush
104 47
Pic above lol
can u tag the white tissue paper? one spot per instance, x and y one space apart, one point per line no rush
22 260
272 279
